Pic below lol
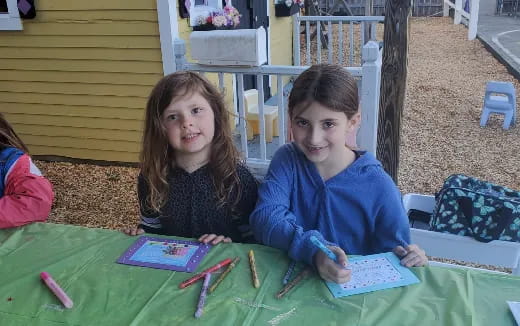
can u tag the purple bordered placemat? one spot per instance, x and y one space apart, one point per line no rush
141 254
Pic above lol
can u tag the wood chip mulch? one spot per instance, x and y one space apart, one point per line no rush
92 195
441 135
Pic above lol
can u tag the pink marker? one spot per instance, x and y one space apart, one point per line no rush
55 288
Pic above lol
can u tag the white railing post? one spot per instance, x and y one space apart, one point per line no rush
445 8
167 17
370 90
296 39
261 115
179 49
281 111
473 19
242 124
457 17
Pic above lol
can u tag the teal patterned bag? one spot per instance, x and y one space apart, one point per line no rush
472 207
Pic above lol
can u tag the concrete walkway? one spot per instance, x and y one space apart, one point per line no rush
501 36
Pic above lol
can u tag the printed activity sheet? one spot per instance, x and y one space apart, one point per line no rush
515 310
172 254
372 273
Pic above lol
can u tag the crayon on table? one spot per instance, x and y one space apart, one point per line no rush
197 277
202 297
221 277
325 250
289 272
293 283
57 290
256 281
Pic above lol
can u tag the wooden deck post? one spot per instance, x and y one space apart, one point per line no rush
457 17
393 83
473 19
445 8
370 90
296 39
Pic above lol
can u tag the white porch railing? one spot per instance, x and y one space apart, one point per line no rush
472 15
369 74
497 253
344 24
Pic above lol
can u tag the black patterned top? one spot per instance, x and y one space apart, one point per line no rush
191 209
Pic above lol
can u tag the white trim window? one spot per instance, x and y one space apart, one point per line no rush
10 20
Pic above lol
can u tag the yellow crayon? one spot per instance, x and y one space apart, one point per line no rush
221 277
256 282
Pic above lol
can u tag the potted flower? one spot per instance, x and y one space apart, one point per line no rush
285 8
227 18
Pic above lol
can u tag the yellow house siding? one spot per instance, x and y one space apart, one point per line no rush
95 77
74 82
281 38
79 111
10 39
76 54
73 88
281 43
7 98
66 5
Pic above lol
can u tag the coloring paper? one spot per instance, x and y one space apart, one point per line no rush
515 310
172 254
372 273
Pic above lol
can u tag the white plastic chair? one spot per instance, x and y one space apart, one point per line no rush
450 246
504 102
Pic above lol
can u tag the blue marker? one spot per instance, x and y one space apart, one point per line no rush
289 272
326 250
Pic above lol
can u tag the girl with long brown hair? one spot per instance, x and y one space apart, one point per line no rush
25 195
192 182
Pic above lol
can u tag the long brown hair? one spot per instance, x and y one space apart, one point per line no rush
330 85
157 156
9 138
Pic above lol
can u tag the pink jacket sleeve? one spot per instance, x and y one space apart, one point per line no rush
27 195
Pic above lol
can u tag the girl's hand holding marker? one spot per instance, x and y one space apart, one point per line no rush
331 262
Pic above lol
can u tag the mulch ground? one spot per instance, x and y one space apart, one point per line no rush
92 195
440 133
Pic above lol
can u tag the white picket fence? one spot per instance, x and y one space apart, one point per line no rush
369 74
343 24
472 15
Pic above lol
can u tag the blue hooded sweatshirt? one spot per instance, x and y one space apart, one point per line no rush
359 209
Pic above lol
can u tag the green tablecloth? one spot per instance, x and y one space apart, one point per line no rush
82 261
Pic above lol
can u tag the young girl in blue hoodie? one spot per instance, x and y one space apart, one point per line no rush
319 186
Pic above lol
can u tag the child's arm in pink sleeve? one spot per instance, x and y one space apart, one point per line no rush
27 195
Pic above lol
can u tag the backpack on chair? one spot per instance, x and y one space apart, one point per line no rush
471 207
